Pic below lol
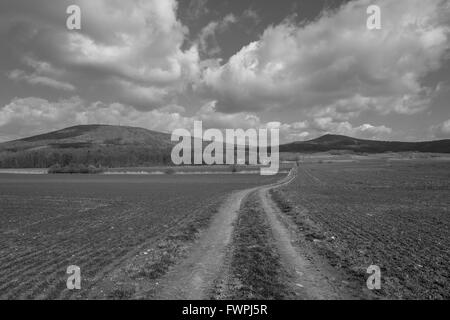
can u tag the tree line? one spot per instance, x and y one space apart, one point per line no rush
117 156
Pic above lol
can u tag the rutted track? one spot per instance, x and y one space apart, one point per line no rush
194 277
265 261
207 272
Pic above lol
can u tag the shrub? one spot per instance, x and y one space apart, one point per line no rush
54 168
74 168
94 169
169 171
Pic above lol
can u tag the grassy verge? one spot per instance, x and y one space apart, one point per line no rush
256 271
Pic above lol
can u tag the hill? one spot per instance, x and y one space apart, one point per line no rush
120 146
330 142
99 145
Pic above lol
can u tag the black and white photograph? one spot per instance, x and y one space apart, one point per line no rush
224 154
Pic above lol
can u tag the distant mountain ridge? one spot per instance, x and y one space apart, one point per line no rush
330 142
97 133
121 146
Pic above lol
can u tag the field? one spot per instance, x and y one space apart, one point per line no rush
48 222
394 214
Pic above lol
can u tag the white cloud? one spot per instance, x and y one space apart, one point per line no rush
441 130
344 109
135 45
43 74
143 53
28 116
336 60
327 125
35 79
330 71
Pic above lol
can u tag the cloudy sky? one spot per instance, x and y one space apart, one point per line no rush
308 67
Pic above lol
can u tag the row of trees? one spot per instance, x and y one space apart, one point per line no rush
117 156
98 156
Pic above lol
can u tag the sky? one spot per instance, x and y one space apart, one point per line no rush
307 67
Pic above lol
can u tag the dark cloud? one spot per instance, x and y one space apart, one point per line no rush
196 9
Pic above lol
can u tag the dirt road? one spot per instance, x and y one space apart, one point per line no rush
209 259
194 278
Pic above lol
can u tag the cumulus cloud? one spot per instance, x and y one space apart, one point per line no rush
29 116
336 58
343 109
132 46
20 75
43 74
134 58
442 130
214 119
327 125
